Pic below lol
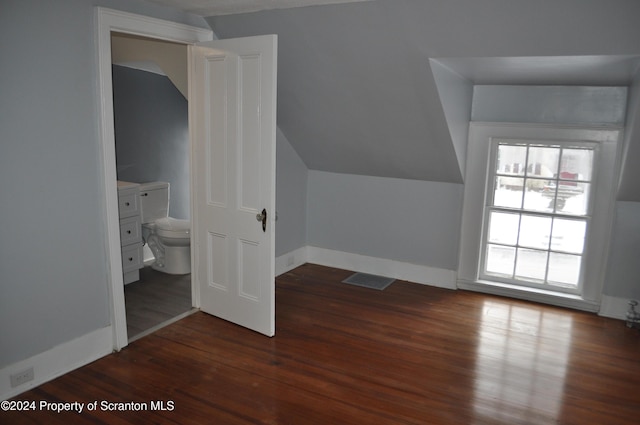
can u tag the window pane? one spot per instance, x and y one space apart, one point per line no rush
503 228
564 269
535 184
568 235
572 197
508 192
535 231
511 159
500 260
543 161
538 212
576 164
540 200
531 264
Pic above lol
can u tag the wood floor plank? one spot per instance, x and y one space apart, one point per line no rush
410 354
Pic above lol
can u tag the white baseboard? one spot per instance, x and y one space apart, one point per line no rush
615 308
291 260
425 275
57 361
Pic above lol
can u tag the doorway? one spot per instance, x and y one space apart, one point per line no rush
245 77
152 145
111 21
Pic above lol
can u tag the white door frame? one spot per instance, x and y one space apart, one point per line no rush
108 21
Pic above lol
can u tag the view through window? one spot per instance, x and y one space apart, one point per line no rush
537 213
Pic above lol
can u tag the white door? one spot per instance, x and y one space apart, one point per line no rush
232 102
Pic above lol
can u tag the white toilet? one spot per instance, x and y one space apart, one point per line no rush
168 238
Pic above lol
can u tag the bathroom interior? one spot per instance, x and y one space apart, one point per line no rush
152 162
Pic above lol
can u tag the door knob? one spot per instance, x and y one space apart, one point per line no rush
263 218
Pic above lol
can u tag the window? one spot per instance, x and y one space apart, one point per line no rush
537 213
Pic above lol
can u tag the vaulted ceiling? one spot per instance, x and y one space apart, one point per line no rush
384 87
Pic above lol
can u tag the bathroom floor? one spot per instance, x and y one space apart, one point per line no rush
155 299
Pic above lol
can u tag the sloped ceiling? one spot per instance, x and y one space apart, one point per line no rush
228 7
357 92
157 56
383 87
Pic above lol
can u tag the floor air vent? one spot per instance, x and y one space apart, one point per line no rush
369 281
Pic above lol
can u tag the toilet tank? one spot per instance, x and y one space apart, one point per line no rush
154 201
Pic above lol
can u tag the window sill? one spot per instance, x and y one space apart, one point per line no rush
530 294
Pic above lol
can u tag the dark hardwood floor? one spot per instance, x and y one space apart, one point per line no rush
342 354
155 299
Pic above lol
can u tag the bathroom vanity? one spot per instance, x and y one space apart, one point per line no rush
130 230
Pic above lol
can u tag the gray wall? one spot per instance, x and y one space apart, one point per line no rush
456 95
405 220
291 198
630 176
152 133
623 274
550 104
53 258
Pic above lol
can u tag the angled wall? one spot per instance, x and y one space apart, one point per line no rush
456 96
152 133
170 57
291 198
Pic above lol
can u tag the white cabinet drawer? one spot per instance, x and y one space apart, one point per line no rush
131 257
128 204
130 230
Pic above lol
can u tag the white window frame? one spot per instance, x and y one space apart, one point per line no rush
489 206
601 209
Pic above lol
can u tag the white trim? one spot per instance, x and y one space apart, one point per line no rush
614 307
291 260
160 29
57 361
529 294
108 21
416 273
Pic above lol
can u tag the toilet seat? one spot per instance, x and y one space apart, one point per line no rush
169 227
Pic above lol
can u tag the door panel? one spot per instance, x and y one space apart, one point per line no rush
233 104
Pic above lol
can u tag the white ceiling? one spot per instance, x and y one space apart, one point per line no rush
229 7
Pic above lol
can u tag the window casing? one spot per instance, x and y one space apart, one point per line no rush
597 215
